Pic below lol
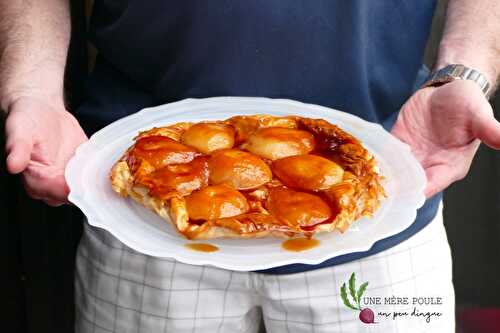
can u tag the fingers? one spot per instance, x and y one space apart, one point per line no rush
47 185
54 203
19 145
438 178
440 175
485 127
40 140
18 157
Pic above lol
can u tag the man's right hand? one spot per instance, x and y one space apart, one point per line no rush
41 138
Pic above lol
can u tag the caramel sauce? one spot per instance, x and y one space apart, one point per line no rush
299 244
238 168
182 178
202 247
297 209
182 169
328 137
308 172
215 202
160 151
336 145
334 210
288 134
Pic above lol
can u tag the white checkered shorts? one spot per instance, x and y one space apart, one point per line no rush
121 290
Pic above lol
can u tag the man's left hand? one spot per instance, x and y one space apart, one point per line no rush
444 126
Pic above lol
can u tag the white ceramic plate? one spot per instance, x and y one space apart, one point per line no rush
88 177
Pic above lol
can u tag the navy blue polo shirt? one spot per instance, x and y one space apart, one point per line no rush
360 56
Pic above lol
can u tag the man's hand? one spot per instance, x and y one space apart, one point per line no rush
444 126
41 138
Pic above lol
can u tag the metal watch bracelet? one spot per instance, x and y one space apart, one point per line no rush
454 72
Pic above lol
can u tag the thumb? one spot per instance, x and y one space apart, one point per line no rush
486 128
18 146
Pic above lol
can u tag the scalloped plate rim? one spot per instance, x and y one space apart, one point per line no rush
76 197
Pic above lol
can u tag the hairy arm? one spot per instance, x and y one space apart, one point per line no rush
34 38
445 124
472 37
41 134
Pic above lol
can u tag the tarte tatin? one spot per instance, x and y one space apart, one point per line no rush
251 176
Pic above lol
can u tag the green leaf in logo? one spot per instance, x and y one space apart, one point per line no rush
361 290
352 287
345 299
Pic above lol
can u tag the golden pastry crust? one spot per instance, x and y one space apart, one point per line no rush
172 170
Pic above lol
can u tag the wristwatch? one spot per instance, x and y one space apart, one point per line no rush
458 72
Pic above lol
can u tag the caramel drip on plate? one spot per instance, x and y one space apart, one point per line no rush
299 244
202 247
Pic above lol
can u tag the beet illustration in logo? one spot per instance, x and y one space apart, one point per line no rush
366 315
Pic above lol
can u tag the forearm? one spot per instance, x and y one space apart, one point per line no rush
472 37
34 38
